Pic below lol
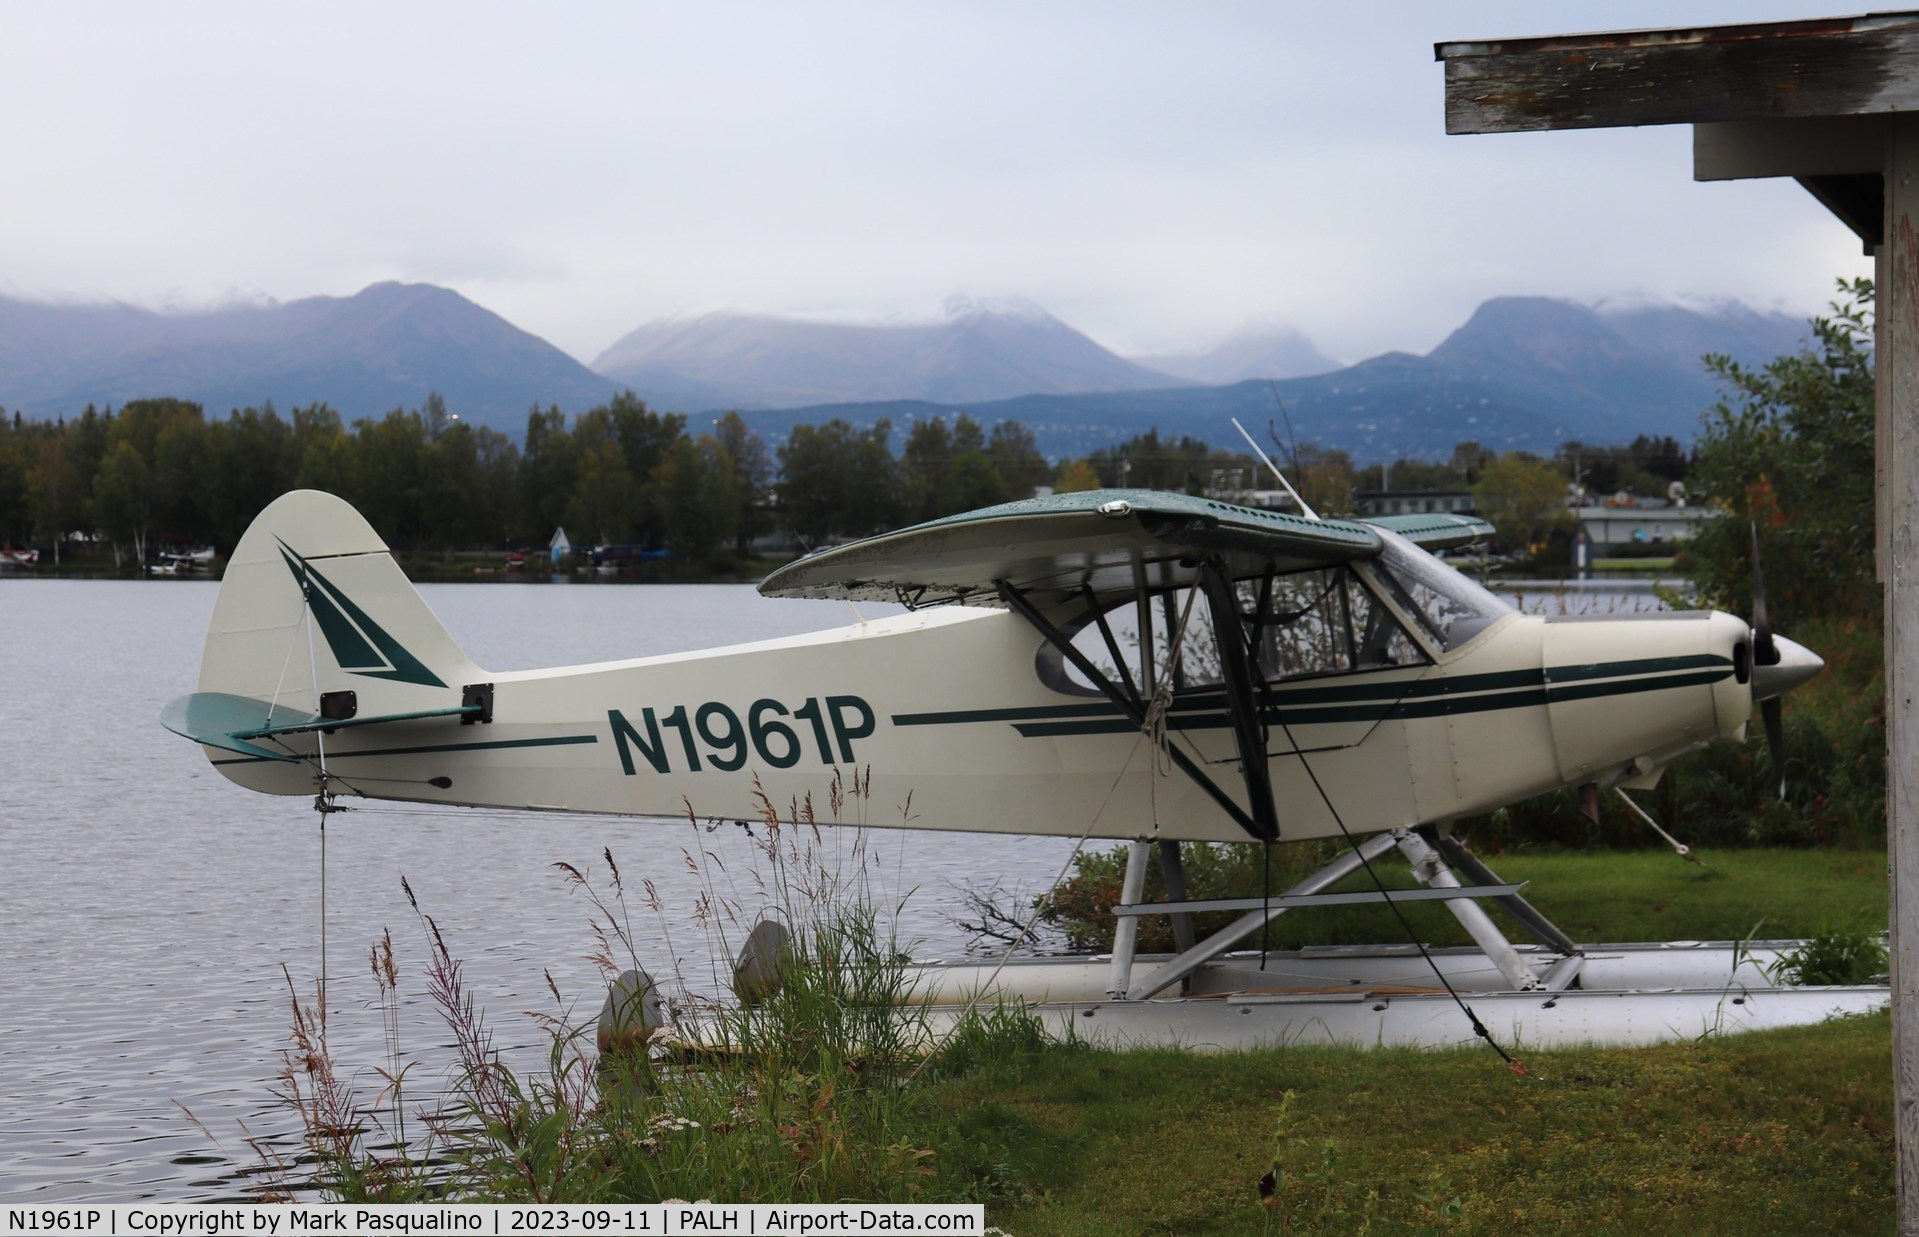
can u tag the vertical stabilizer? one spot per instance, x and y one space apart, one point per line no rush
313 603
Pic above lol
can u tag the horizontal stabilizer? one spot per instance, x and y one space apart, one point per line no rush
221 720
218 718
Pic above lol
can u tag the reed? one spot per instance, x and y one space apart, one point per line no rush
816 1090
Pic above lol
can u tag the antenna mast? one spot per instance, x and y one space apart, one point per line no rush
1308 511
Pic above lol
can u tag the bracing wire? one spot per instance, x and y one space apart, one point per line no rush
323 801
1479 1028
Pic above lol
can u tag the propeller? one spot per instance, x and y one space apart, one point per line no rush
1765 652
1778 666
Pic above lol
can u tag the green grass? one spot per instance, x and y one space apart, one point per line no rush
1775 1132
1634 566
1594 895
823 1099
1638 896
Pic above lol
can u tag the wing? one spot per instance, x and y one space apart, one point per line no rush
1108 541
1435 531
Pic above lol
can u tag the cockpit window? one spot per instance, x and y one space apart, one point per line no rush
1450 606
1324 621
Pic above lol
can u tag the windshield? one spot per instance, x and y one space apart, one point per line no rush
1308 623
1452 607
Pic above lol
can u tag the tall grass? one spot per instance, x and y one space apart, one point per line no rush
813 1091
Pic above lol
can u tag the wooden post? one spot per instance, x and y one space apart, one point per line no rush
1833 102
1897 343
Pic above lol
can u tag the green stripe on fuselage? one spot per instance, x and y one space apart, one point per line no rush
1366 702
428 748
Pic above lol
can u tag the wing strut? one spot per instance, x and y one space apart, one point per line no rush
1237 675
1262 825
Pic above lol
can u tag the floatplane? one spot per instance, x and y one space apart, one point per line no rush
1120 664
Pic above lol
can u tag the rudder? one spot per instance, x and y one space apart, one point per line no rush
313 603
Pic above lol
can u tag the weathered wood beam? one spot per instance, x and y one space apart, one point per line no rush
1848 66
1839 160
1816 146
1897 344
1858 201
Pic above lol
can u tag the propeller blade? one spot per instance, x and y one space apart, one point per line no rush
1764 652
1773 715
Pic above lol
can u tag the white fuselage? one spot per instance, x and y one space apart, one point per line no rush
947 710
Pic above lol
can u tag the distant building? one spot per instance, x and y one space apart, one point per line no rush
1619 526
1414 502
1265 500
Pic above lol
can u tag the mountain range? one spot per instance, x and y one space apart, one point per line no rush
1258 352
977 352
1523 372
385 347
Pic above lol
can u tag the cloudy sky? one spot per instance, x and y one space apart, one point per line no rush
1157 174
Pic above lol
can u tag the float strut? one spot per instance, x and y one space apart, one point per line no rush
1172 873
1126 932
1218 943
1547 932
1432 870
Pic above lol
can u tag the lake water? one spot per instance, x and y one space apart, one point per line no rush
148 906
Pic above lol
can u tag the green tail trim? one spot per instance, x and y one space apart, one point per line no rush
359 644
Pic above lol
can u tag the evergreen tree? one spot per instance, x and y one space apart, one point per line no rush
1790 451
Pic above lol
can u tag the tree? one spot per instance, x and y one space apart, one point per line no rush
56 492
1645 466
944 471
644 439
606 499
747 453
1016 458
924 462
248 461
838 481
1075 476
1790 451
120 497
469 487
1325 479
1146 462
549 467
13 480
1468 458
326 458
971 483
170 435
387 476
435 416
1522 497
699 495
